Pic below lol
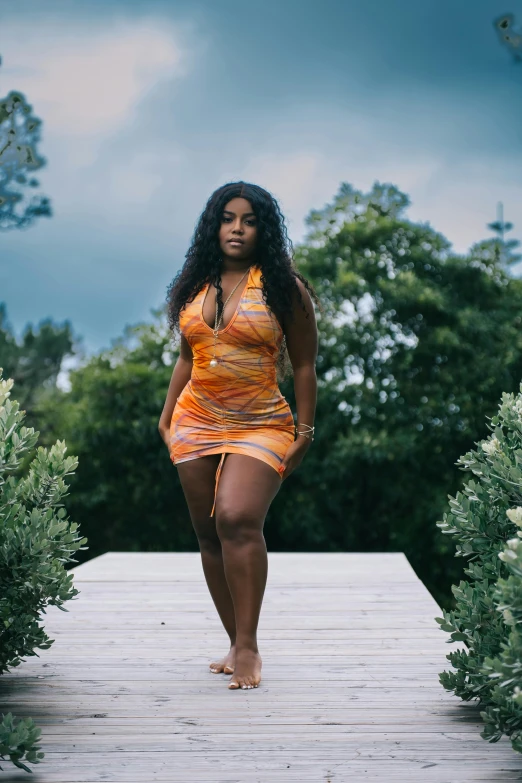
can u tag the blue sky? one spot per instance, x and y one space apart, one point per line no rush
148 106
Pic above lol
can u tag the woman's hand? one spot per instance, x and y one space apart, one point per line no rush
165 436
294 455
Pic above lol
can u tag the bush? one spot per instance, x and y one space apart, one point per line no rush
18 741
36 540
483 518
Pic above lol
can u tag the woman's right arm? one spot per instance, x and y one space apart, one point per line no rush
180 377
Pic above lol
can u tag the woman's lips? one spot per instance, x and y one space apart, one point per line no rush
235 242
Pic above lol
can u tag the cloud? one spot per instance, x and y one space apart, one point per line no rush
457 198
293 179
134 182
86 82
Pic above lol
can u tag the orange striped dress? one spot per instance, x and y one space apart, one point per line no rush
235 407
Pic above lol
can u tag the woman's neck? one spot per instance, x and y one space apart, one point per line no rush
235 265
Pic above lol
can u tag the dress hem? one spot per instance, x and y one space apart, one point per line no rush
223 450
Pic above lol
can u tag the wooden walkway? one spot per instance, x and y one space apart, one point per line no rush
350 691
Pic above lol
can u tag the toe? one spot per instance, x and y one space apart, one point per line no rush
233 684
228 669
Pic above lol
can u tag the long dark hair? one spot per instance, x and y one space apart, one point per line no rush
273 254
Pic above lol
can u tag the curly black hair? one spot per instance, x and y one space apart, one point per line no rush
273 254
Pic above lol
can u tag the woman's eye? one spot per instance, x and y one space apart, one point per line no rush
226 218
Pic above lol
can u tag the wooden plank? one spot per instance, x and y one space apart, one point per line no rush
190 695
202 619
305 568
185 652
462 747
374 636
419 721
350 691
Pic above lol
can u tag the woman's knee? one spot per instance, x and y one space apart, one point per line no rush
209 545
238 525
207 536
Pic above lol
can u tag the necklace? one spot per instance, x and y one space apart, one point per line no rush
213 362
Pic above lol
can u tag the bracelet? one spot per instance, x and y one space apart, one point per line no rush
308 434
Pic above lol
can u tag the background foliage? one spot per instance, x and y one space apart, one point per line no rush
19 159
416 346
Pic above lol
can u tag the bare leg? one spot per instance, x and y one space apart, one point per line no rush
246 488
197 478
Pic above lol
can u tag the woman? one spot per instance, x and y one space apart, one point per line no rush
237 301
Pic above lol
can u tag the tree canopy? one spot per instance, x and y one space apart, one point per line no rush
34 361
416 349
417 344
19 159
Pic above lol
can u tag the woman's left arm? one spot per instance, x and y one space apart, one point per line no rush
301 341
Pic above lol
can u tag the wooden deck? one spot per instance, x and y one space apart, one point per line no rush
350 691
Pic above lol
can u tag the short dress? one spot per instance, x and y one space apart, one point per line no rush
235 407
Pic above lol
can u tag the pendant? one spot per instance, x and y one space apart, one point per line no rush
213 363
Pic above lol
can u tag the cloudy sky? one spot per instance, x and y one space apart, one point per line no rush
149 105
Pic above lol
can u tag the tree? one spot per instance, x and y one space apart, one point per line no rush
416 347
35 360
19 159
504 251
125 494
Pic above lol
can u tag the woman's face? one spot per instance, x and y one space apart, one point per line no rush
239 223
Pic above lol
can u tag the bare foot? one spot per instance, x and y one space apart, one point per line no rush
226 664
247 671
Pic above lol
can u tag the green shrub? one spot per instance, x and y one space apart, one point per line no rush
36 540
483 518
18 740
